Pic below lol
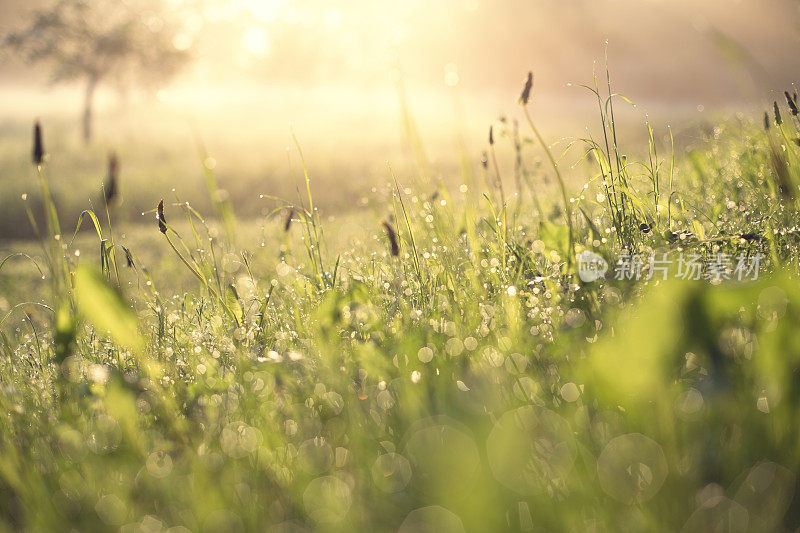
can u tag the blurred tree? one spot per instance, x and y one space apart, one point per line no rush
100 41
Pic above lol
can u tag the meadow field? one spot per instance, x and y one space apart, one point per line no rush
297 265
438 358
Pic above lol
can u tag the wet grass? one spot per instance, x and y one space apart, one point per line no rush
434 362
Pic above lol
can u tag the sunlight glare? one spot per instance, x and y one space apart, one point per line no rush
264 10
256 40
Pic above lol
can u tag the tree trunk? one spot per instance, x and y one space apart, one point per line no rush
88 103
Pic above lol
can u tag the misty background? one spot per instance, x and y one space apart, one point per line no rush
680 52
337 74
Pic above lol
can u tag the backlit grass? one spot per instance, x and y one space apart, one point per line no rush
434 365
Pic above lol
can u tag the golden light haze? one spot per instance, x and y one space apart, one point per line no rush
670 51
337 70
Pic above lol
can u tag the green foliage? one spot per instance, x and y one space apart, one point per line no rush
104 307
555 238
469 383
64 334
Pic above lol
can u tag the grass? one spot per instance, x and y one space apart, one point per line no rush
436 366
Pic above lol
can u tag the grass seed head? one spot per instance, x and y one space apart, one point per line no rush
111 184
162 223
792 103
766 121
128 257
288 223
491 135
525 96
395 246
38 146
778 119
781 172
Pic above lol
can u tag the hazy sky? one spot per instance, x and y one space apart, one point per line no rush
658 48
323 57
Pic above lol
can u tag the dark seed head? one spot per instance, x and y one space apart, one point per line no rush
162 223
778 119
128 257
288 223
113 164
752 237
792 103
525 96
111 184
491 135
395 246
38 147
766 121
